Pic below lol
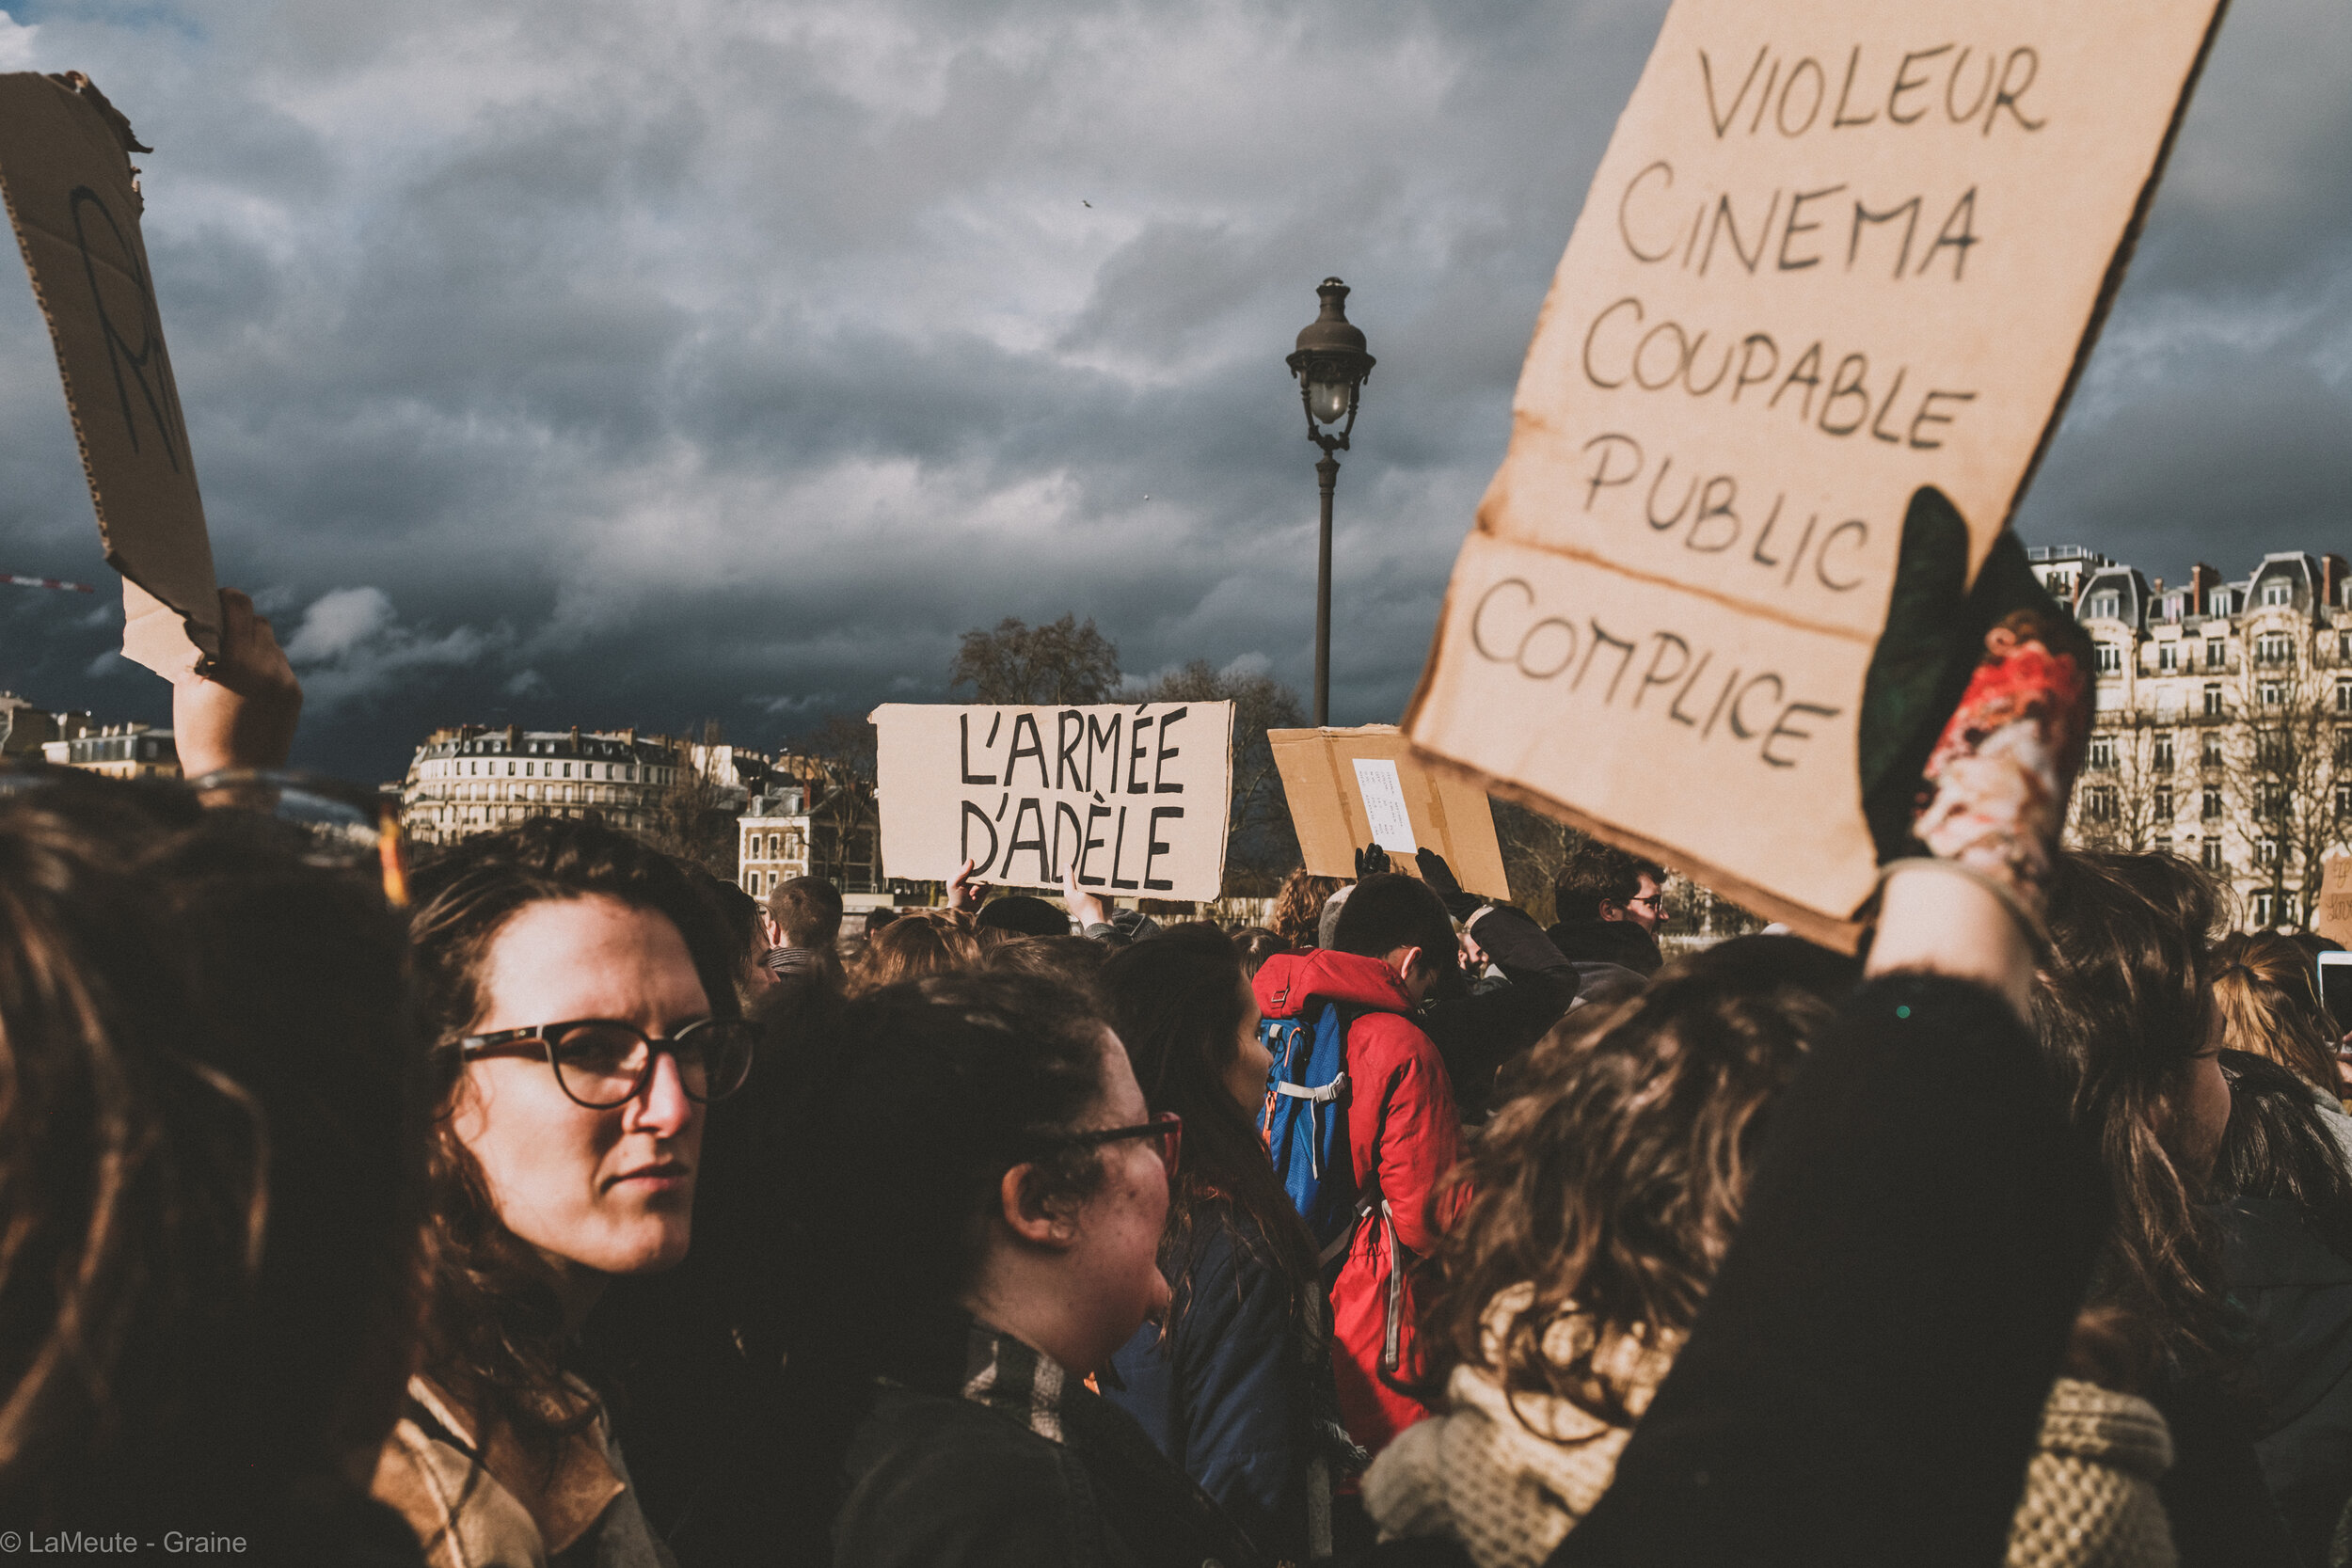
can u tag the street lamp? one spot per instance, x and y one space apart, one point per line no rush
1332 366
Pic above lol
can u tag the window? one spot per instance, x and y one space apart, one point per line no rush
2210 855
2209 751
2162 761
2106 606
2265 853
2213 653
2343 801
2344 696
2278 592
2098 804
771 846
2343 748
568 769
2264 904
2273 801
2271 751
2273 693
2274 648
2167 656
2213 701
2102 751
2110 659
2221 603
527 768
2163 803
2213 805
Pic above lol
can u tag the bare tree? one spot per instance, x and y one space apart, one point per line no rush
1058 662
2286 765
2129 794
1262 846
693 815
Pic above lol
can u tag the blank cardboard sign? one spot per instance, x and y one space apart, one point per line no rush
1335 813
1132 799
1838 252
65 172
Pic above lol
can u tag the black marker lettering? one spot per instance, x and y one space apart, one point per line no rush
964 724
1153 848
1159 758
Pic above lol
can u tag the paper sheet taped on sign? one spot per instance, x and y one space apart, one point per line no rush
66 173
1132 799
1837 252
1444 809
1383 795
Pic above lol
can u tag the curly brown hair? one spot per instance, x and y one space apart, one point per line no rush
919 942
1298 909
1613 1183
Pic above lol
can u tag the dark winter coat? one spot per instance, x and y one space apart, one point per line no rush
1621 942
1403 1136
1028 1468
1478 1033
2299 1295
1235 1391
1865 1382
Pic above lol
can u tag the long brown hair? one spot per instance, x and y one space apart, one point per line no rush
1176 1003
1613 1183
494 1328
2123 1008
2263 995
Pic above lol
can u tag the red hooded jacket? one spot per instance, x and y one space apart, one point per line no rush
1402 1136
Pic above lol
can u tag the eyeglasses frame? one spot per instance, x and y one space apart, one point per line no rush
476 1047
1167 1126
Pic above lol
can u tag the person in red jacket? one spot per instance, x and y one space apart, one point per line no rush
1393 942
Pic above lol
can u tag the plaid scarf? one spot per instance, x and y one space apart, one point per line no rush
1003 1374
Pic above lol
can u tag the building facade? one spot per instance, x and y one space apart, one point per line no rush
2223 729
473 780
774 840
118 752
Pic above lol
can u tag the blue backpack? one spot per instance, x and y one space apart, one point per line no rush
1304 1121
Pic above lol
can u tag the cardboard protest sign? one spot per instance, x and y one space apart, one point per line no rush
1131 798
2334 917
1347 788
1837 252
73 199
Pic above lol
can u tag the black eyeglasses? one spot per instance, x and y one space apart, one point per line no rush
1166 1129
602 1062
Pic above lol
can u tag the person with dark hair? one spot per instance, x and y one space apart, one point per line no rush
1022 914
1393 943
1076 962
1234 1383
1258 945
2285 1209
211 1183
2126 1013
576 985
974 1196
876 920
1607 904
803 919
1478 1029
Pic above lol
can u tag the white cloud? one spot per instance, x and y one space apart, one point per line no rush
16 43
351 645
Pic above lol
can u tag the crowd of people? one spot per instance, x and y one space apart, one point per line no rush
549 1201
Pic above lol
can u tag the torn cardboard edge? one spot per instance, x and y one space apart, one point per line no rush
1844 936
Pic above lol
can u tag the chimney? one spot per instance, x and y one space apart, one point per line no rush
575 741
629 736
2202 580
514 738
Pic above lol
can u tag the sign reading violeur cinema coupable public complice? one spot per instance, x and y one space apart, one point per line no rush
1129 798
1838 252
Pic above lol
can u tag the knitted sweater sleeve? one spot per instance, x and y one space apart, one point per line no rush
1865 1383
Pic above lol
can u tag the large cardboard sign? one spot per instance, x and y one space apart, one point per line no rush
1133 798
74 199
1347 788
1838 252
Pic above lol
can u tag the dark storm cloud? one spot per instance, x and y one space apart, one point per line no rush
613 363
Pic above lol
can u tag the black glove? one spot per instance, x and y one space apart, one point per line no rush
1372 861
1442 880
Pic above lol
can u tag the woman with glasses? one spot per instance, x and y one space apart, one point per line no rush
1235 1383
578 985
976 1197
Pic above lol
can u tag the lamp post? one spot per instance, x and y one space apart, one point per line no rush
1332 366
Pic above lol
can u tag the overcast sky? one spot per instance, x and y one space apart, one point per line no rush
606 363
